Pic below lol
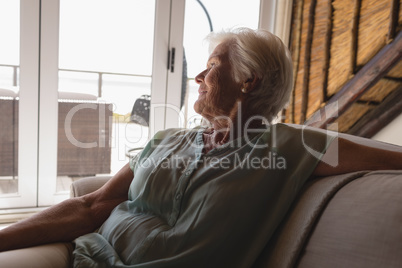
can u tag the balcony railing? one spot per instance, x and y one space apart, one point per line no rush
99 74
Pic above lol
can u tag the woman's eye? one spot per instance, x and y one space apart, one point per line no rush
210 65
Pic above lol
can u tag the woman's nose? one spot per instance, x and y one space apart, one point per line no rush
200 77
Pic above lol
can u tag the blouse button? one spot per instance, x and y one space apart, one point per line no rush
178 196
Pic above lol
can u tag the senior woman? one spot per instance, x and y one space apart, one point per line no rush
211 196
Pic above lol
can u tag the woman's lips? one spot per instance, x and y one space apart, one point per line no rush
201 91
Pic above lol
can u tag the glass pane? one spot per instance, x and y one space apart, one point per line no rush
105 65
196 27
9 68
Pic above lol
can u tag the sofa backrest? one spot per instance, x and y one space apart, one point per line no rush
350 220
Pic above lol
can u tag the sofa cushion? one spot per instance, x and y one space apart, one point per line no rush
361 226
284 247
65 95
87 185
45 256
9 92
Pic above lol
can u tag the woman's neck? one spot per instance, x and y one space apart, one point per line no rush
223 131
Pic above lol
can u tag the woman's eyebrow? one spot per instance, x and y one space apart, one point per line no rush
212 57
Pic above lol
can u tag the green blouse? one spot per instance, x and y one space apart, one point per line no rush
189 209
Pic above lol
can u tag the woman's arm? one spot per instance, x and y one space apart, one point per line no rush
69 219
353 156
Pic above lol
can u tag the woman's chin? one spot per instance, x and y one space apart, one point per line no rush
198 107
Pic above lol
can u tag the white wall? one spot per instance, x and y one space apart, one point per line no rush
392 133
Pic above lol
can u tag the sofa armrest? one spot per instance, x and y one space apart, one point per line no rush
87 185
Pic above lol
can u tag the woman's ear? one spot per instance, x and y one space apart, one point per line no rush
250 83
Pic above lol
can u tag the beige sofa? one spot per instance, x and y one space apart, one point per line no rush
349 220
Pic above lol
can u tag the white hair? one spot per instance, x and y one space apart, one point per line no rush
260 53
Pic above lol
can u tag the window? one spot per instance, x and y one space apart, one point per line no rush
9 87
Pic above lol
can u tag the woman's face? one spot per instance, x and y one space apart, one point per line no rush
218 91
